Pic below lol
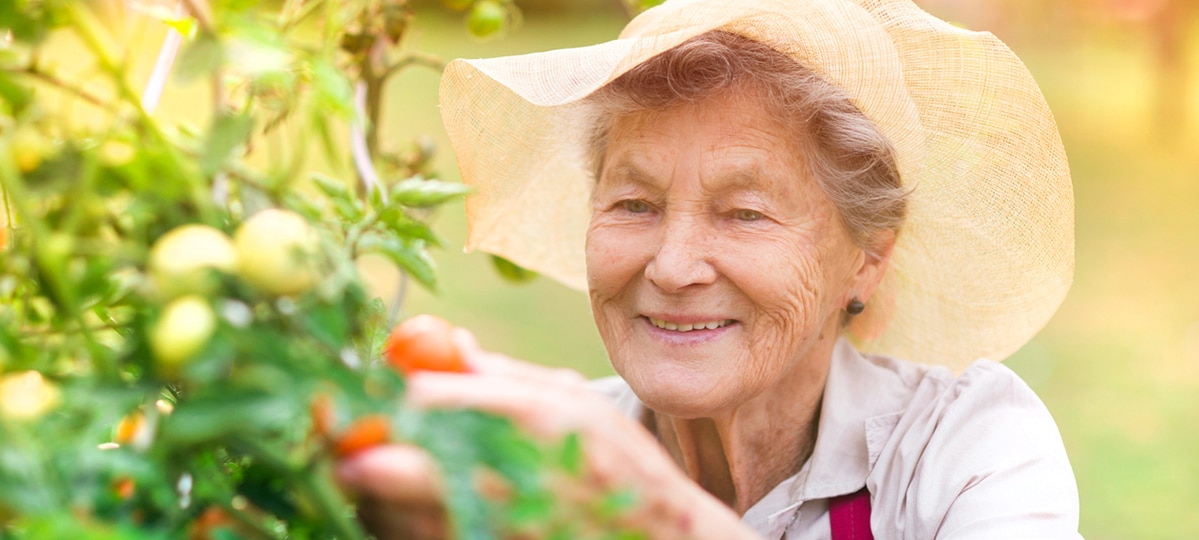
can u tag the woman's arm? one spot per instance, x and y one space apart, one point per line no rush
548 403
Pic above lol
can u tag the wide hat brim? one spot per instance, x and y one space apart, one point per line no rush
987 253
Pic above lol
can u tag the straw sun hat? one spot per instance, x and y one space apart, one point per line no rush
987 253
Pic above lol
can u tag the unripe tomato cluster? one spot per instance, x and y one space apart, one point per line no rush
275 251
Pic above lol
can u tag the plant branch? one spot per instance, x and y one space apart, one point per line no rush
305 11
248 523
202 12
430 61
162 67
359 142
51 79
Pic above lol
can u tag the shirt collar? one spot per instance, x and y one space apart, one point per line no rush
863 399
861 405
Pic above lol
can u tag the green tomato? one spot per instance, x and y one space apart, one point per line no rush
276 252
27 396
486 18
184 327
28 149
116 153
180 257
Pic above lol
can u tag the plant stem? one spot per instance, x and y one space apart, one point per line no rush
308 9
318 482
416 58
52 80
202 12
360 144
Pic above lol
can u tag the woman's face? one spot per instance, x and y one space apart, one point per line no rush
715 266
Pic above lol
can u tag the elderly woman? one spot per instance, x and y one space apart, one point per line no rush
777 206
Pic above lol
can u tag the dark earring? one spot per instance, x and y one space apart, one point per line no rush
855 306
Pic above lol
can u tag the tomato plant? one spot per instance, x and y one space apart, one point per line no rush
185 343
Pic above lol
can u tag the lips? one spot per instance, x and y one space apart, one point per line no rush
688 327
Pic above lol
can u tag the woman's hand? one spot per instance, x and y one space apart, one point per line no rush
401 495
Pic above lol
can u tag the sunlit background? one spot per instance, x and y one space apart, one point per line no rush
1118 366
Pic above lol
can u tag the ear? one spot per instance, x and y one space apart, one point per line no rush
872 267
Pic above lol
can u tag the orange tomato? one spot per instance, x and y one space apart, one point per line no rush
422 343
128 428
124 487
366 432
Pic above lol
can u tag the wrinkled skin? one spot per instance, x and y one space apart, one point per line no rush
701 214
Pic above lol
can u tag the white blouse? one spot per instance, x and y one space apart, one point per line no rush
943 457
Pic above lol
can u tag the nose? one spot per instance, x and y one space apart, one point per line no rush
682 259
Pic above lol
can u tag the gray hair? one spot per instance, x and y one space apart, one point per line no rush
851 160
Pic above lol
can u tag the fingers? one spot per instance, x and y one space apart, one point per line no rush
543 409
490 363
394 473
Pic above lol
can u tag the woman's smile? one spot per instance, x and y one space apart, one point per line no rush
687 330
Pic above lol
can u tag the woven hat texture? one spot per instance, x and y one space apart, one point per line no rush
987 253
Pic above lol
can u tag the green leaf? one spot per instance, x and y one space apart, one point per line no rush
378 198
199 59
326 324
419 192
615 503
186 26
408 254
646 4
571 457
257 56
531 510
332 187
334 92
16 96
228 134
398 221
510 271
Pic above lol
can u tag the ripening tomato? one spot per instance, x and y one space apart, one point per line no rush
366 432
124 488
180 257
423 343
27 395
276 252
28 148
182 330
129 427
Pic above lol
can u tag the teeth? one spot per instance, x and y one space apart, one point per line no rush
665 325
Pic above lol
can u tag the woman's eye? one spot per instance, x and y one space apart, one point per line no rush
747 215
635 206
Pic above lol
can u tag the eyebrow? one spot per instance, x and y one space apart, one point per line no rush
740 180
632 173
